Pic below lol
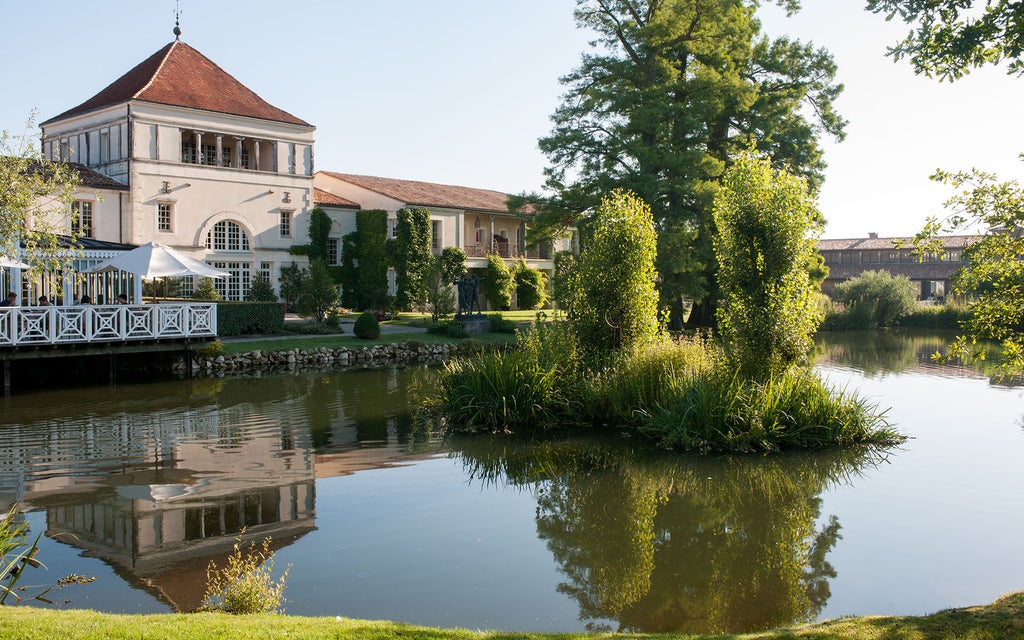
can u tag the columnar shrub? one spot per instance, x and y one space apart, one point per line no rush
611 300
498 284
531 286
319 232
412 256
371 249
765 219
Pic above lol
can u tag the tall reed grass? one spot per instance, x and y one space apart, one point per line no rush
680 394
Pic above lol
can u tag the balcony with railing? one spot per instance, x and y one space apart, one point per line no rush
507 249
93 324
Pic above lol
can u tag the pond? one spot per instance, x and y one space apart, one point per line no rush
140 487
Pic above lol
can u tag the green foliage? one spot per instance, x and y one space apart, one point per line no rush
531 286
412 256
260 290
243 318
497 284
245 584
16 553
319 232
372 255
994 273
453 263
35 198
436 294
206 290
765 219
318 295
948 317
670 93
679 394
794 410
948 38
500 392
290 283
366 326
612 303
564 263
876 299
501 325
349 275
449 328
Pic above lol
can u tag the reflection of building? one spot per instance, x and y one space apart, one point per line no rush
932 272
158 495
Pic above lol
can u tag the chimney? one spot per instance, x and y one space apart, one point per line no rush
872 235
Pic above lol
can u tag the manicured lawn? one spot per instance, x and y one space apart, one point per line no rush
1001 619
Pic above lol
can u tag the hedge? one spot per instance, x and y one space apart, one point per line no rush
238 318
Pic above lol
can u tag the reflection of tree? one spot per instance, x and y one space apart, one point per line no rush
880 352
682 544
876 353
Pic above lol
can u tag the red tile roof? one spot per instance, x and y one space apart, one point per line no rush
95 179
329 199
882 244
428 194
181 76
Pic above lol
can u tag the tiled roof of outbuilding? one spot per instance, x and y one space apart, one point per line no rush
429 194
179 75
329 199
881 244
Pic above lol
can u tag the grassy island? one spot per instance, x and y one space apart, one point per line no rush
609 364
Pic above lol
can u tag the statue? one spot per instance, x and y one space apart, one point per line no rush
469 294
474 295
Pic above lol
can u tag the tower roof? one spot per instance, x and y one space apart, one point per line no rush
179 75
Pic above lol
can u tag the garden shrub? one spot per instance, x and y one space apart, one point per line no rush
531 286
366 326
240 318
500 324
497 283
876 299
245 584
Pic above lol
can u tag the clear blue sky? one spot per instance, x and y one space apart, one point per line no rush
458 91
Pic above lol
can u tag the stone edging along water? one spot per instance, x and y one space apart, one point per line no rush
319 358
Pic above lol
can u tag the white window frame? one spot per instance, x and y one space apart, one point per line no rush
170 216
83 223
286 222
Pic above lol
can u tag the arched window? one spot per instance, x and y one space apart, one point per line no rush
227 236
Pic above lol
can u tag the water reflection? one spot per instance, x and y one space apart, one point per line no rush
158 480
881 353
682 544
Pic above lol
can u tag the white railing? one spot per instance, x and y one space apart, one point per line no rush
105 323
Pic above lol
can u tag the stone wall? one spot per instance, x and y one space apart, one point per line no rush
324 358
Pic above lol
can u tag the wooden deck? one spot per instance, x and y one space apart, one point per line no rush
99 324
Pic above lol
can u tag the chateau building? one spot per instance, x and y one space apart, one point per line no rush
202 164
190 157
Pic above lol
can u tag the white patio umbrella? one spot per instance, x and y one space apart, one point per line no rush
154 260
14 264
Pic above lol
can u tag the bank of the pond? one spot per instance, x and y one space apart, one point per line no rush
1004 618
322 357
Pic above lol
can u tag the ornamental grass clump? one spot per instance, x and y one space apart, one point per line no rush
793 410
245 584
